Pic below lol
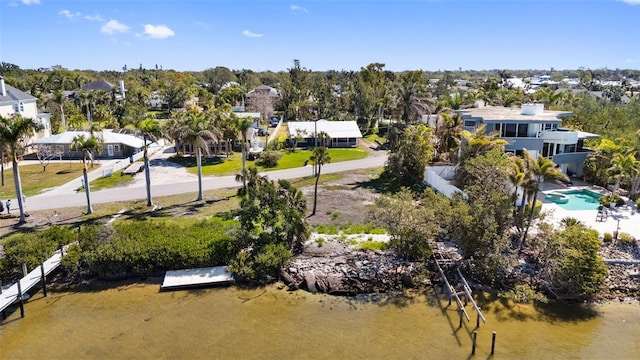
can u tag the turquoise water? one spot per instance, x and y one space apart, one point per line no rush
581 200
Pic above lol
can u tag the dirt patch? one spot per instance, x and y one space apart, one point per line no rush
341 201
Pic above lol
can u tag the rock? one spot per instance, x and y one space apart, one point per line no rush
289 280
321 281
310 279
407 280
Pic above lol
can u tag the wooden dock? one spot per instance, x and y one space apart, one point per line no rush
187 278
10 295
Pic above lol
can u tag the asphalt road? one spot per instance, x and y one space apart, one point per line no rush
66 196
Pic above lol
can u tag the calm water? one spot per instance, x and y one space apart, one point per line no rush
138 322
581 200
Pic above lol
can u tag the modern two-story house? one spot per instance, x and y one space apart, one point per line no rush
14 101
537 130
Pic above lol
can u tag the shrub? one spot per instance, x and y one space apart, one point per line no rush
607 238
327 229
335 215
374 245
269 158
275 145
320 241
638 203
626 239
607 199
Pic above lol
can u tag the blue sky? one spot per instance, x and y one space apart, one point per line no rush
323 35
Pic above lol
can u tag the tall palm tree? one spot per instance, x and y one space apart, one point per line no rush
150 131
197 130
538 171
13 130
87 145
60 99
479 142
320 157
242 126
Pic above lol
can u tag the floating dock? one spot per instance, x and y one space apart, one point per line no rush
188 278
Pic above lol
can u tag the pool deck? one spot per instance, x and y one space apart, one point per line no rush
625 218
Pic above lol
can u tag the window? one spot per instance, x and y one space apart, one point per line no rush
16 107
21 107
116 147
509 130
523 130
469 123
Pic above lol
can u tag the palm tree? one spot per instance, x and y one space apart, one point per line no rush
623 166
87 145
479 142
448 134
243 125
60 98
253 181
320 157
150 131
197 130
538 171
12 131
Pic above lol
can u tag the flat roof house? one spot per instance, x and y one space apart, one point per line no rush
537 130
341 133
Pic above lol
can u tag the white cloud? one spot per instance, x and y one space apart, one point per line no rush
158 31
31 2
296 8
95 17
248 33
629 61
631 2
113 27
68 14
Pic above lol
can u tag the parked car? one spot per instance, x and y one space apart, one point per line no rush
263 132
273 121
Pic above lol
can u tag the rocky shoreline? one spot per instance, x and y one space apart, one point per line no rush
338 269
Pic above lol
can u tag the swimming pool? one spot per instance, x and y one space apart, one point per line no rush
580 200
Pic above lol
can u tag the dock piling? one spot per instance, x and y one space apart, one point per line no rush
24 270
473 347
44 280
460 325
20 299
493 342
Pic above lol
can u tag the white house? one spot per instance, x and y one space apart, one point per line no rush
114 145
532 128
14 101
341 133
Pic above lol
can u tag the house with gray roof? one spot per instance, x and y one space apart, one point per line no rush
532 128
114 145
14 101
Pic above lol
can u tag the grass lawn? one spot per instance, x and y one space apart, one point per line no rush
110 181
34 180
233 165
375 138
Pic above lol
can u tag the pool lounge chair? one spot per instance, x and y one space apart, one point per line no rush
603 213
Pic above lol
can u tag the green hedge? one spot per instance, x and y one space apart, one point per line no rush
150 247
32 248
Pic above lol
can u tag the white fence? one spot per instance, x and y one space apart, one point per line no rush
274 134
437 177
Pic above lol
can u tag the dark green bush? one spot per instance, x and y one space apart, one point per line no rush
607 238
148 247
32 248
269 158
